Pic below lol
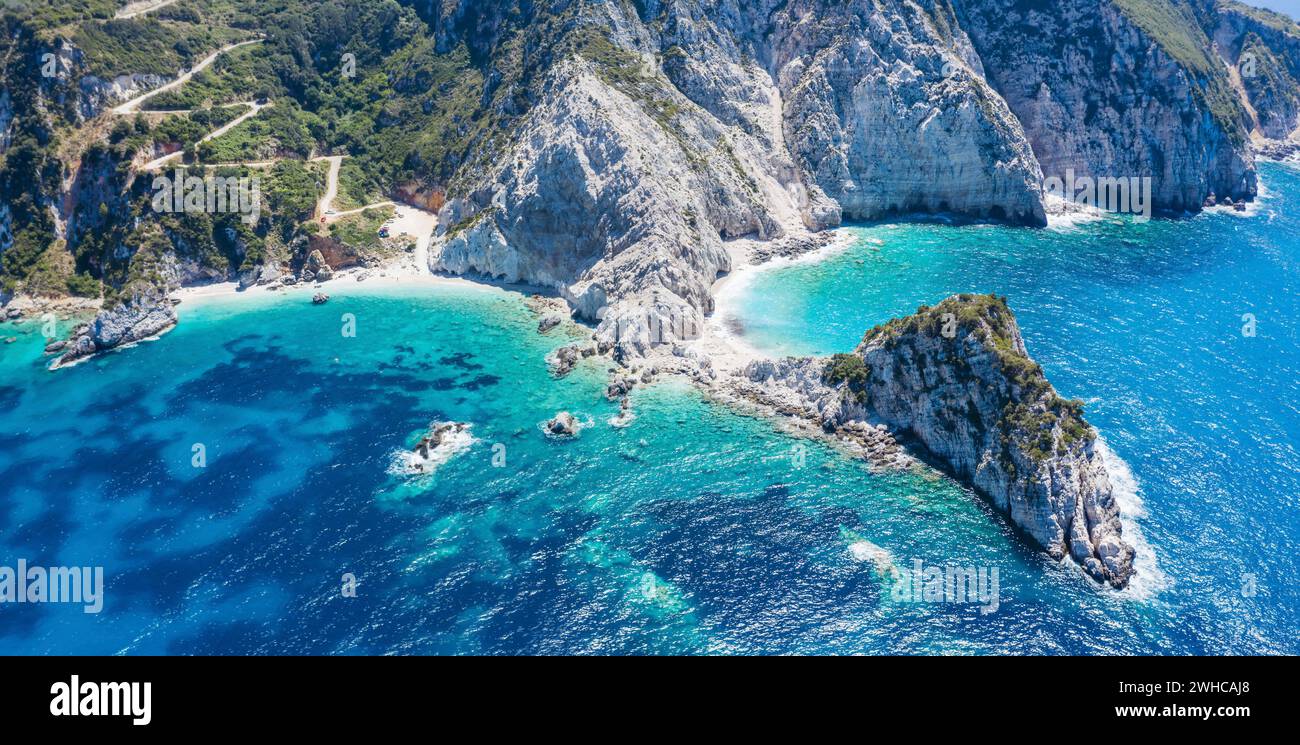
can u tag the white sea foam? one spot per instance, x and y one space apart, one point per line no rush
1064 215
1148 580
581 421
622 419
411 463
1253 208
864 550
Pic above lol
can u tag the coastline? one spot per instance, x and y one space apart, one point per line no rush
728 350
223 292
720 346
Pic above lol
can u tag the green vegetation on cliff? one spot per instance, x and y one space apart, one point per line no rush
146 46
850 370
1271 19
283 129
361 231
1172 25
1033 411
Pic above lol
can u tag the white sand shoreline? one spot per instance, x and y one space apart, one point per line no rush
344 280
411 270
728 350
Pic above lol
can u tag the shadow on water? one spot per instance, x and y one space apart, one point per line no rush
299 538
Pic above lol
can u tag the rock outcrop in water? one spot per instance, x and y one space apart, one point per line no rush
956 382
441 443
141 313
563 425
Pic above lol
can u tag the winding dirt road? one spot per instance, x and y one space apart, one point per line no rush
130 107
140 7
254 108
331 185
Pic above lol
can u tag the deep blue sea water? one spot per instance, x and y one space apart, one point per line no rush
693 530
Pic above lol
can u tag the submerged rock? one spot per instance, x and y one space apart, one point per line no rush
619 387
319 298
441 433
625 415
956 381
548 322
563 360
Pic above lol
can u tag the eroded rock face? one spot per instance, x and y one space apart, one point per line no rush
599 201
1100 94
888 112
1263 49
1273 93
98 94
956 380
674 126
316 268
698 125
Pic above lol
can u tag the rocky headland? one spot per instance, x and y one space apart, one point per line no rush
955 385
142 313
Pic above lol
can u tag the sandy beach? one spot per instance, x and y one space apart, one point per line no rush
721 341
728 349
390 276
408 269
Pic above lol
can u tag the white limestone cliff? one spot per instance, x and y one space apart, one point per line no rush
956 382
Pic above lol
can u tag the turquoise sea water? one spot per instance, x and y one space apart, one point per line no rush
694 529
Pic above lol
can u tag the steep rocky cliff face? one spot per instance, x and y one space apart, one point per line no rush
613 200
889 112
883 107
86 96
1118 89
675 125
608 149
683 124
1263 49
956 381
